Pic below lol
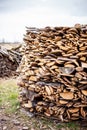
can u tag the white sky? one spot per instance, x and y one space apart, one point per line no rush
16 14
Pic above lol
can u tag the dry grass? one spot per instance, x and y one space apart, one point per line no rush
9 45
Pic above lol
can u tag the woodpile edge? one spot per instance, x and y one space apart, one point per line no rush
9 61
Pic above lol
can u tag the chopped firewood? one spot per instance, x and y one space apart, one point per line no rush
84 92
66 70
53 72
63 102
83 113
67 95
84 65
33 78
73 110
28 105
9 61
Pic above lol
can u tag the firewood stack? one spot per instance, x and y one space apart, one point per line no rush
53 72
9 61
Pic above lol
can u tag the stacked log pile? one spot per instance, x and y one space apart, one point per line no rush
53 72
9 61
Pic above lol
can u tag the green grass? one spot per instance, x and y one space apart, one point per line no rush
72 125
9 95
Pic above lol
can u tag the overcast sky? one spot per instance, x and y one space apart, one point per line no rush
16 14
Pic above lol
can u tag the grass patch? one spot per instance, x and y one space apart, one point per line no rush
9 95
72 125
60 126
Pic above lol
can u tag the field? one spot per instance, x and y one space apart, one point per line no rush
9 45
